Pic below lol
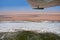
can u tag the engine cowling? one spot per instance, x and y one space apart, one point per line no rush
41 4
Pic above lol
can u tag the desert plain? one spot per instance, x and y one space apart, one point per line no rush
29 16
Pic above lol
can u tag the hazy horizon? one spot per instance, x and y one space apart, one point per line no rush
22 5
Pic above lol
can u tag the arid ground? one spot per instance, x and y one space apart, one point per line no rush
29 16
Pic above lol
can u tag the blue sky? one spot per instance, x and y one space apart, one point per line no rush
22 5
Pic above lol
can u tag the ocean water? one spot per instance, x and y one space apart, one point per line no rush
45 26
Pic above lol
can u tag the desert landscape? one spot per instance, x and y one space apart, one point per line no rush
41 25
29 19
29 16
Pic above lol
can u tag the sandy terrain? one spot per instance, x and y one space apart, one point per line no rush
29 16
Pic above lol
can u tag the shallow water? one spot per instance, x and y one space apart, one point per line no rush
10 26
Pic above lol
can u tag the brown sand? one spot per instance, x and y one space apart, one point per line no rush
29 16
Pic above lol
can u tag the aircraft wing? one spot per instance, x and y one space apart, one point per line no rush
43 3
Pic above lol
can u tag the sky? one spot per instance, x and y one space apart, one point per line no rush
23 5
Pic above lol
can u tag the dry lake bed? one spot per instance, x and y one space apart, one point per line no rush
44 26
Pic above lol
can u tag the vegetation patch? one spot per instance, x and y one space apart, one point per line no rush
30 35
